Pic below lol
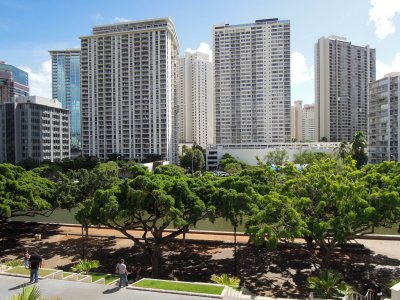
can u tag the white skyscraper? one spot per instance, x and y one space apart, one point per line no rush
128 78
252 82
309 123
342 74
197 106
297 121
384 120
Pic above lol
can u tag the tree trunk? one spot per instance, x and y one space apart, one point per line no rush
83 245
155 260
234 253
309 241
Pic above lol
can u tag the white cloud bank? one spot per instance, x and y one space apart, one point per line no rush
40 81
382 69
382 13
203 48
299 70
121 20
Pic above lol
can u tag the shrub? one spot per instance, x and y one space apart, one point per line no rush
85 266
225 279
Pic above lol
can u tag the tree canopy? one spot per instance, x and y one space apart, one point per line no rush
149 202
25 193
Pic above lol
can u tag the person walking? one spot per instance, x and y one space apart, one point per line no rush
35 262
121 270
26 259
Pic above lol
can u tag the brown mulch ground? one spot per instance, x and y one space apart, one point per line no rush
282 272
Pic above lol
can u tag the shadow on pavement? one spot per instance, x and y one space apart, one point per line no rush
19 286
111 291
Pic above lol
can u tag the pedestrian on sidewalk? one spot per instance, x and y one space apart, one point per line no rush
121 270
26 259
35 263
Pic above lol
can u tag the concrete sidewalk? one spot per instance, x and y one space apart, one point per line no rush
70 290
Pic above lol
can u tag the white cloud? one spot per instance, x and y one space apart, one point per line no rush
120 20
299 70
98 19
40 81
382 69
382 13
203 48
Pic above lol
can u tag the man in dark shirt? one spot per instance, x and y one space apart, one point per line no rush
35 262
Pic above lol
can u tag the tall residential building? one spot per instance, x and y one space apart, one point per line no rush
196 109
309 123
128 90
296 121
342 75
33 127
252 82
66 88
383 119
13 83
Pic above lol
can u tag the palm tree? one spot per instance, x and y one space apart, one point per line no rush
358 149
85 265
343 150
28 293
328 284
227 280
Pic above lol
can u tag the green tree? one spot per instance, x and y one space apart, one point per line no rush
192 159
358 149
232 165
382 190
77 188
277 157
274 218
150 203
29 163
309 157
331 200
232 199
25 193
343 151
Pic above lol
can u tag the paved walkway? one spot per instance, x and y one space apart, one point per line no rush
385 247
69 290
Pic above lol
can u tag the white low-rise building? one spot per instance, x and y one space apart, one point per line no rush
248 152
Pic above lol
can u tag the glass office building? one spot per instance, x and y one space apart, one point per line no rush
66 88
13 83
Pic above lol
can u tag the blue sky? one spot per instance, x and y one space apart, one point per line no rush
28 29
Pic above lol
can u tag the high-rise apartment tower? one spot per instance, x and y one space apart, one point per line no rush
384 120
196 109
128 74
342 74
252 82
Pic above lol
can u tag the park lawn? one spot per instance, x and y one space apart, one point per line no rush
110 278
22 271
179 286
65 274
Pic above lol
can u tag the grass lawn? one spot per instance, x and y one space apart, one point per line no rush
180 286
65 274
110 278
107 277
23 271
